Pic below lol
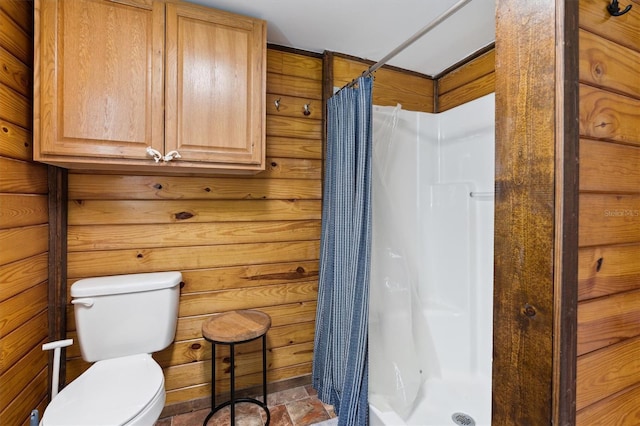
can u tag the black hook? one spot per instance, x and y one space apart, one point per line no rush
614 9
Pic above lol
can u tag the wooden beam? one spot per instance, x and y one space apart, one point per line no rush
57 179
536 184
567 137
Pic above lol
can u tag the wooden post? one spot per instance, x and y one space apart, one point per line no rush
535 241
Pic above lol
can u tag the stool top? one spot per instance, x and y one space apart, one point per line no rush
236 326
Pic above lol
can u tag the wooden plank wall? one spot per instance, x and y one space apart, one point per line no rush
608 365
23 227
392 85
240 242
463 83
466 82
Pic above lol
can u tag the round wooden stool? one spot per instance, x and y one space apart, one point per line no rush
231 328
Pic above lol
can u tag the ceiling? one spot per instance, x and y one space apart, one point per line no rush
370 29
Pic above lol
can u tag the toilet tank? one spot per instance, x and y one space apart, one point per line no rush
124 315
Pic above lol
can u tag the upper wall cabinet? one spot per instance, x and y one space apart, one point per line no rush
119 82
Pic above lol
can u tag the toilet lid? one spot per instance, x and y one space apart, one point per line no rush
110 392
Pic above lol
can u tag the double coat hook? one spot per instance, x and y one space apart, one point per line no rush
306 111
614 9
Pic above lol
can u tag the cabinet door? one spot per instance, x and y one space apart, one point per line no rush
100 69
215 86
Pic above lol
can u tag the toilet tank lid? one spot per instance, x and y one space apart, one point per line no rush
131 283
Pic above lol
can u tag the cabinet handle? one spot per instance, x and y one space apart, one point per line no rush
171 155
157 156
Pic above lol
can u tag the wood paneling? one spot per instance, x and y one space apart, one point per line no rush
241 243
298 148
295 313
609 219
16 107
21 12
607 371
607 270
18 276
23 227
294 86
129 187
106 237
392 86
15 39
608 320
609 116
470 91
609 309
468 81
112 262
19 309
603 322
609 167
247 298
104 212
26 400
22 210
198 349
284 64
595 18
34 240
293 127
204 390
15 142
22 177
22 372
597 68
473 69
20 341
15 74
471 80
620 410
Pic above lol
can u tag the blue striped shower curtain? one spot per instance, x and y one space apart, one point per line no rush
340 363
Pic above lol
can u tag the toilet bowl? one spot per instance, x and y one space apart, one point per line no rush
119 391
120 321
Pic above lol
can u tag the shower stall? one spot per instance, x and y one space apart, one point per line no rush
430 323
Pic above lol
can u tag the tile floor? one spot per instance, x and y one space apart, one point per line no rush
292 407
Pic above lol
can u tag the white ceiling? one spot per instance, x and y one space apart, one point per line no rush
370 29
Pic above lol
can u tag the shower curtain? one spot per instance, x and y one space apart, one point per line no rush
340 363
397 329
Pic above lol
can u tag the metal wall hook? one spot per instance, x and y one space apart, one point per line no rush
614 9
306 109
277 104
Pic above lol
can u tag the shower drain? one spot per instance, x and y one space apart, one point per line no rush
463 419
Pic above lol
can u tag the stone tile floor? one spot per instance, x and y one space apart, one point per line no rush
292 407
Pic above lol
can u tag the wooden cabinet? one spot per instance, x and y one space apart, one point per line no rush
115 77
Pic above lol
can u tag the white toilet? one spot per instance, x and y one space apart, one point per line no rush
120 321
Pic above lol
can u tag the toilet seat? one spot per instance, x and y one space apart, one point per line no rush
111 392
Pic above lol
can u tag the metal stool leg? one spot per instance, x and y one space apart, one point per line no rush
233 383
213 375
213 383
264 376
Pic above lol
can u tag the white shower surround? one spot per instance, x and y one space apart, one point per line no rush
433 165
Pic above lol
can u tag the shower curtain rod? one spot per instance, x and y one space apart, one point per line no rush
453 9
